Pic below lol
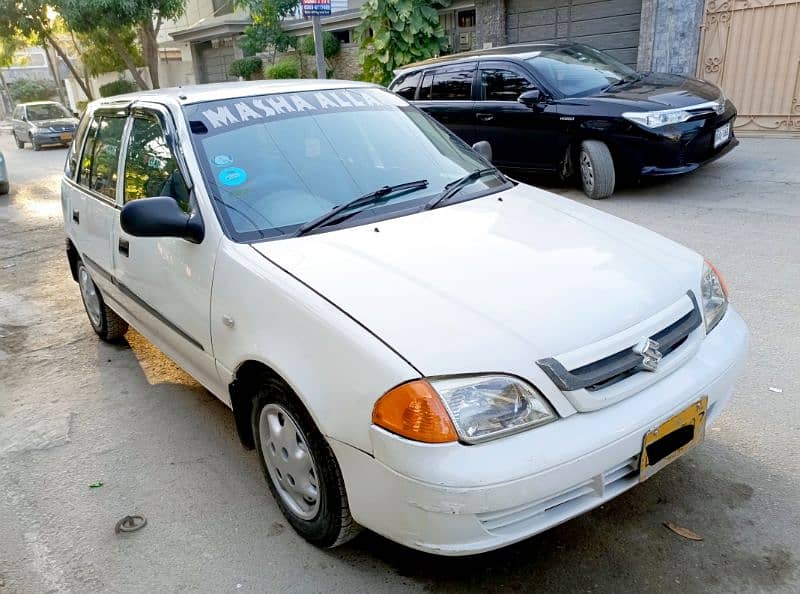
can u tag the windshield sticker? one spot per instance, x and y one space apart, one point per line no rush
223 160
232 177
224 115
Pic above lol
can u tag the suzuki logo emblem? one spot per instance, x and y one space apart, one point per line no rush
651 356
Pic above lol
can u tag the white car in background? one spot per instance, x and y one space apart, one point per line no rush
4 184
411 341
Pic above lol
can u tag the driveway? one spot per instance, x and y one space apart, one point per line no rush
76 412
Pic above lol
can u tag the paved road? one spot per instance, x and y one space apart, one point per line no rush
75 411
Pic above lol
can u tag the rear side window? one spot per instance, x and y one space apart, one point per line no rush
503 85
452 85
75 148
101 155
151 169
406 87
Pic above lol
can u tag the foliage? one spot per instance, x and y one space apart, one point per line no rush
394 33
245 67
286 68
26 90
117 87
266 29
99 55
330 45
81 106
8 45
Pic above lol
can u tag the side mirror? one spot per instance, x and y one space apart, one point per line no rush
484 149
531 98
160 217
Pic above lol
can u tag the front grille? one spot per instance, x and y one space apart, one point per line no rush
619 366
557 508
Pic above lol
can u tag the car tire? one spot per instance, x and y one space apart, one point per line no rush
4 188
36 146
288 443
20 143
596 168
105 321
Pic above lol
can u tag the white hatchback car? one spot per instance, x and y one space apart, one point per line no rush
412 342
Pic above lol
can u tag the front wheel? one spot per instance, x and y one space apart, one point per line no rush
4 188
300 468
105 321
596 169
36 146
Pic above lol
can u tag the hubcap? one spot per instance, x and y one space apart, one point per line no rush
288 461
90 298
587 173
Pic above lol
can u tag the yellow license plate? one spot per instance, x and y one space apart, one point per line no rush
66 136
673 438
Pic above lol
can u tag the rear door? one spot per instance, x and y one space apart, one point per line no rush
446 93
165 282
521 136
20 126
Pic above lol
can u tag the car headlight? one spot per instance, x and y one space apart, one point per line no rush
714 294
656 119
488 406
470 408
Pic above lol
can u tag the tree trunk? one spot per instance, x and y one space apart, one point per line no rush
53 66
149 41
130 63
5 101
86 90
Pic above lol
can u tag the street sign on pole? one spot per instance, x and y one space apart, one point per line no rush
316 9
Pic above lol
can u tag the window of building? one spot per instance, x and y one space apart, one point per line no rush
222 7
503 85
345 36
150 167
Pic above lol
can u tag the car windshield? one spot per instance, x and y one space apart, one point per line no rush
275 162
47 111
579 70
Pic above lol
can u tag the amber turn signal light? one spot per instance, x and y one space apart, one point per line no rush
414 410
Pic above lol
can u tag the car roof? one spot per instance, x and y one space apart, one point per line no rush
189 95
38 103
517 50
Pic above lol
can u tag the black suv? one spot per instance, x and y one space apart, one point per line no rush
567 108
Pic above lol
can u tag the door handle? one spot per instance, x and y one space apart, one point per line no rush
76 216
124 247
485 117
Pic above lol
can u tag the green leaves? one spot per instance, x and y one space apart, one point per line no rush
394 33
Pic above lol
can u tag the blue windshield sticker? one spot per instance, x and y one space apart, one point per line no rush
223 160
232 176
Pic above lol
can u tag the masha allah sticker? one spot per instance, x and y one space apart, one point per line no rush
232 176
222 160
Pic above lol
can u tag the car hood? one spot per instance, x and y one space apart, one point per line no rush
491 284
57 122
661 91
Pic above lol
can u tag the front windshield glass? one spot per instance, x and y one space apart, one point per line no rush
47 111
275 162
579 70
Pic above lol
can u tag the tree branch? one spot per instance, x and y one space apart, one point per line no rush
61 54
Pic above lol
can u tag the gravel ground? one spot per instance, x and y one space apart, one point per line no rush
75 411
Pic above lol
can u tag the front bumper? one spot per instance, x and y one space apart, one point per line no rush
54 137
453 499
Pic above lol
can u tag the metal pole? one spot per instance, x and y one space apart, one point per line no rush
320 50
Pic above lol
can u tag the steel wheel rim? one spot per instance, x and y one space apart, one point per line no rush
91 300
289 462
587 172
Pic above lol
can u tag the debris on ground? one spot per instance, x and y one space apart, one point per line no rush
96 485
130 524
776 390
681 531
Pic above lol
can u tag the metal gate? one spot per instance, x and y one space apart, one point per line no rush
751 48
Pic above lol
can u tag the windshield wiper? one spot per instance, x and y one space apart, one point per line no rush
365 200
624 81
454 187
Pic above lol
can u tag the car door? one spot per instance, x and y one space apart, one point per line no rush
446 94
20 126
521 136
90 199
165 281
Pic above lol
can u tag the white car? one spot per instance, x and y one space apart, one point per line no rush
411 341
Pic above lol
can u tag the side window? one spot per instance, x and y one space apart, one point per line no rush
425 87
74 149
150 167
406 87
452 85
17 113
101 155
503 85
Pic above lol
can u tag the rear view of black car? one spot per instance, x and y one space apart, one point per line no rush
573 110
